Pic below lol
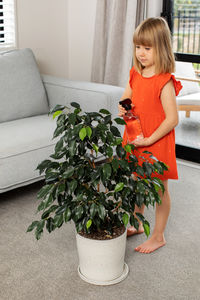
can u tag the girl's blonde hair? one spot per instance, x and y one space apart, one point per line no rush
154 32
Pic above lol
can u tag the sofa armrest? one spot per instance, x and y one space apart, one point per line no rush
91 96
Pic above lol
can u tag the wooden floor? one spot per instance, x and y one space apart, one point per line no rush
188 130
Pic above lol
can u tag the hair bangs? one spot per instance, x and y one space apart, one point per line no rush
143 37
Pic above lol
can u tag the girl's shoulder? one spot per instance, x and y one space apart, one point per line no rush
133 74
164 78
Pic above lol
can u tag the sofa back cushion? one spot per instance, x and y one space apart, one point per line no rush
185 69
22 93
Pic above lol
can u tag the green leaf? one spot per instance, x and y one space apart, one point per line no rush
93 210
109 151
61 188
101 211
40 225
140 187
43 165
67 215
139 199
120 121
148 168
104 111
48 201
77 111
57 113
89 223
38 234
119 187
58 220
134 222
60 210
147 152
69 172
115 164
50 225
72 147
89 131
72 118
158 167
139 170
125 219
107 171
133 158
82 133
152 197
96 148
72 185
140 216
39 229
78 212
32 226
58 131
58 107
124 165
59 145
146 228
120 151
75 104
79 226
115 131
44 191
118 141
127 148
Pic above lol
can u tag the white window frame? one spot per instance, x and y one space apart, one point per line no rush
9 25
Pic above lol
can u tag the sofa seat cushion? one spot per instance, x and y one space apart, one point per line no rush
24 144
22 90
191 99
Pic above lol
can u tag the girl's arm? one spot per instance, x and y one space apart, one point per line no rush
168 100
127 94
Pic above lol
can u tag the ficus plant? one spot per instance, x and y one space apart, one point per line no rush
89 177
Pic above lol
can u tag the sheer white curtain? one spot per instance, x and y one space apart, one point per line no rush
113 47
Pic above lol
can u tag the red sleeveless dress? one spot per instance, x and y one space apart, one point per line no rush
148 107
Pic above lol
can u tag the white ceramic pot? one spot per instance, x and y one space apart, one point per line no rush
101 262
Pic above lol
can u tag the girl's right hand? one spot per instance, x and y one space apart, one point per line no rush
122 110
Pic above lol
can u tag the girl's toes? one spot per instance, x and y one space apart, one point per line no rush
137 249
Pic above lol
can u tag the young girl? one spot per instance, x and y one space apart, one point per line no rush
153 89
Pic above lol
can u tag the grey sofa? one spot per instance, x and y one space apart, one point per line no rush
26 130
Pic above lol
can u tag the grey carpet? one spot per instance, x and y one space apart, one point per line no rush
47 269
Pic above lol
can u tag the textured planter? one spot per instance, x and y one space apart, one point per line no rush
101 262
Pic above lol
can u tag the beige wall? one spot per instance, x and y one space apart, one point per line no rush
43 27
60 33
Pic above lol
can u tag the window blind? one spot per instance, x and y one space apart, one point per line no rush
7 23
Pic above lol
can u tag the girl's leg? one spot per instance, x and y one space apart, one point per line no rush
132 230
157 239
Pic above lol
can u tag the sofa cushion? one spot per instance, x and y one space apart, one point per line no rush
24 144
22 91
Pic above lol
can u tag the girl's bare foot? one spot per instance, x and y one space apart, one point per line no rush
152 244
132 230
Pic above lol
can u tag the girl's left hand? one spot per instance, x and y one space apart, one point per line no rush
142 142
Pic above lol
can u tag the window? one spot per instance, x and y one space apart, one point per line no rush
183 17
7 23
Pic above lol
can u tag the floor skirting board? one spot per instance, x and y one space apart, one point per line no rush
187 153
